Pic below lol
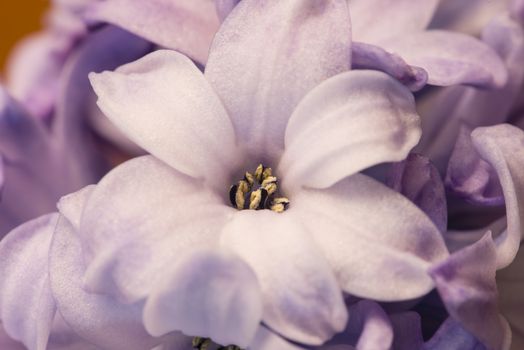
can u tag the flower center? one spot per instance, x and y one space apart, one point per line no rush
258 191
200 343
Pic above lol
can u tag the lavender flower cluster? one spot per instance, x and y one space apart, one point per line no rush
265 175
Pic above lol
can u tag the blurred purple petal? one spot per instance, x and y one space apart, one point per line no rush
466 284
471 177
207 294
302 300
375 21
444 112
419 180
452 336
517 10
370 325
384 259
407 331
376 123
140 218
186 26
451 58
149 101
97 318
224 7
250 66
367 56
503 147
27 307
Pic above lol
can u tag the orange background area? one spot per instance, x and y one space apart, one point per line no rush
17 19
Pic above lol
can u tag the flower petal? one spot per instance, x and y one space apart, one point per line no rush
407 331
99 319
444 112
138 221
451 58
301 298
378 243
261 75
503 147
211 294
466 284
376 20
185 26
27 307
164 104
367 56
348 123
267 340
224 8
471 177
452 336
370 325
419 180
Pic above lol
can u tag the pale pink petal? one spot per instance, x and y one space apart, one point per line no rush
348 123
268 55
378 243
301 298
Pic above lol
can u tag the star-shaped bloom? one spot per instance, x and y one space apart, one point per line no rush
139 234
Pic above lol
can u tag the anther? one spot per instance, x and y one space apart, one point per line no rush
258 199
200 343
279 204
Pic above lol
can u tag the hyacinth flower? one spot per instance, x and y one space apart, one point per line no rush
115 260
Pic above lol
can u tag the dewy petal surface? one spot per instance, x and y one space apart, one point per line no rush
207 294
347 124
467 286
451 58
137 222
27 307
182 25
99 319
302 300
268 55
165 105
376 20
377 241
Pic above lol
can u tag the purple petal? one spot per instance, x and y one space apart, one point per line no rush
268 340
471 177
348 123
99 319
261 75
302 300
451 58
6 342
503 147
27 307
407 331
375 21
452 336
224 8
207 294
370 325
164 104
367 56
419 180
377 241
104 49
466 284
185 26
140 218
517 10
443 113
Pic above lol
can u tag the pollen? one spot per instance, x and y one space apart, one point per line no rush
200 343
258 191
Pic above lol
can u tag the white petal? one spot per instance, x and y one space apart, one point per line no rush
165 105
139 219
27 307
377 241
268 55
211 294
346 124
302 300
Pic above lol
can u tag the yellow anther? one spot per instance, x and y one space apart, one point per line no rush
269 180
249 178
201 343
255 199
267 173
258 172
279 204
271 188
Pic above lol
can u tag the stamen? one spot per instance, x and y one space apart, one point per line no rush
261 197
200 343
